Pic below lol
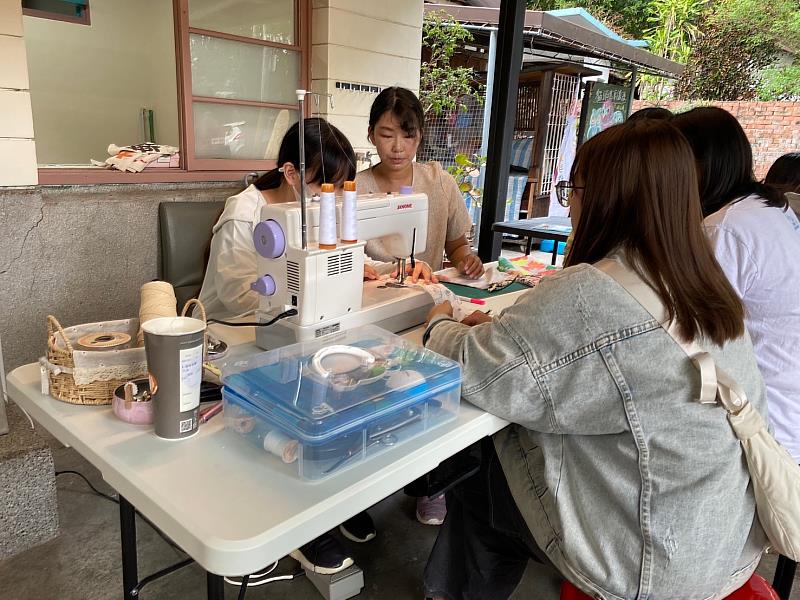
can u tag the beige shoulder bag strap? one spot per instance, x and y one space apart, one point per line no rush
715 383
774 474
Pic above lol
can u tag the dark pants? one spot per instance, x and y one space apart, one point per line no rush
484 545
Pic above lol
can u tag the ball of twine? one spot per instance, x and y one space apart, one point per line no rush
157 300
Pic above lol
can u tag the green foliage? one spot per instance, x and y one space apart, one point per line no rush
776 21
465 171
727 45
780 84
441 86
725 61
627 17
740 39
673 27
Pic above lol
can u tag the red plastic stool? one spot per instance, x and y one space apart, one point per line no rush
756 588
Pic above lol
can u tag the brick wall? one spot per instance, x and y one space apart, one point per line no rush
772 127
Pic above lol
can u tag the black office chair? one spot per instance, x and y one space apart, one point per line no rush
184 235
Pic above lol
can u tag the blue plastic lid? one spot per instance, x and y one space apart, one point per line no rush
325 388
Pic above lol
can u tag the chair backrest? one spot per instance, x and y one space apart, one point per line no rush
184 235
521 153
756 588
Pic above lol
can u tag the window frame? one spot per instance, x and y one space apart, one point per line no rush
193 169
86 19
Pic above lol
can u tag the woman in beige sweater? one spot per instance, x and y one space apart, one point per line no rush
395 127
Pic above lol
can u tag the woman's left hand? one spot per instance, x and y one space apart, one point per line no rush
476 318
471 266
445 308
370 274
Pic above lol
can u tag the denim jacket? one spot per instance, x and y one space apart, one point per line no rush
631 487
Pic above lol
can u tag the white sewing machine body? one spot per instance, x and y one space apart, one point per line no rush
326 286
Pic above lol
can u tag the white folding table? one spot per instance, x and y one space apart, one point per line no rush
230 507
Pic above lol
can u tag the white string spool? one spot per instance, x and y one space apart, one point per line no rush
104 340
327 217
281 446
350 213
157 300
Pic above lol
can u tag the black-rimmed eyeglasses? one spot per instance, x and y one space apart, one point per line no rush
564 190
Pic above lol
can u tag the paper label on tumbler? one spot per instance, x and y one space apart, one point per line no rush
191 368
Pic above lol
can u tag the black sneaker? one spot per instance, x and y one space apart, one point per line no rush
359 529
324 555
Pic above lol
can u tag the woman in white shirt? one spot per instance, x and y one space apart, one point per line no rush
226 292
756 239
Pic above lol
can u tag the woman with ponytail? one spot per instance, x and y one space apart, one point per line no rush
226 292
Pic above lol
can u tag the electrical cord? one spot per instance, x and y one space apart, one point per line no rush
257 579
115 500
243 589
289 313
258 575
89 483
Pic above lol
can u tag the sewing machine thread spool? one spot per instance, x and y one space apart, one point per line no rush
327 218
281 446
349 213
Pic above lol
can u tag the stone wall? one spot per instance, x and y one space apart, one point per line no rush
80 253
772 127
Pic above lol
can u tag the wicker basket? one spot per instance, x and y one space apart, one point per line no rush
60 365
60 372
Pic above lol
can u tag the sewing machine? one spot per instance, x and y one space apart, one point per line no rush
326 286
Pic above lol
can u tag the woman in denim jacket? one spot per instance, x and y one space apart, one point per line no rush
613 476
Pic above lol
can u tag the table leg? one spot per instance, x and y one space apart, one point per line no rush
528 246
215 589
555 253
127 527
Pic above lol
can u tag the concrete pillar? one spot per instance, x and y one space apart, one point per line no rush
370 44
28 505
17 149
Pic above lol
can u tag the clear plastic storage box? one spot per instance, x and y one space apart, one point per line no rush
331 403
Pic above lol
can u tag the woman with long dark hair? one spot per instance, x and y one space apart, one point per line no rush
612 475
232 261
756 240
396 121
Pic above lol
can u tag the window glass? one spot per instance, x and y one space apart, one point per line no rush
235 70
229 131
272 21
89 84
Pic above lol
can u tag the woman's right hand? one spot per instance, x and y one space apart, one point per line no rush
476 318
421 272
